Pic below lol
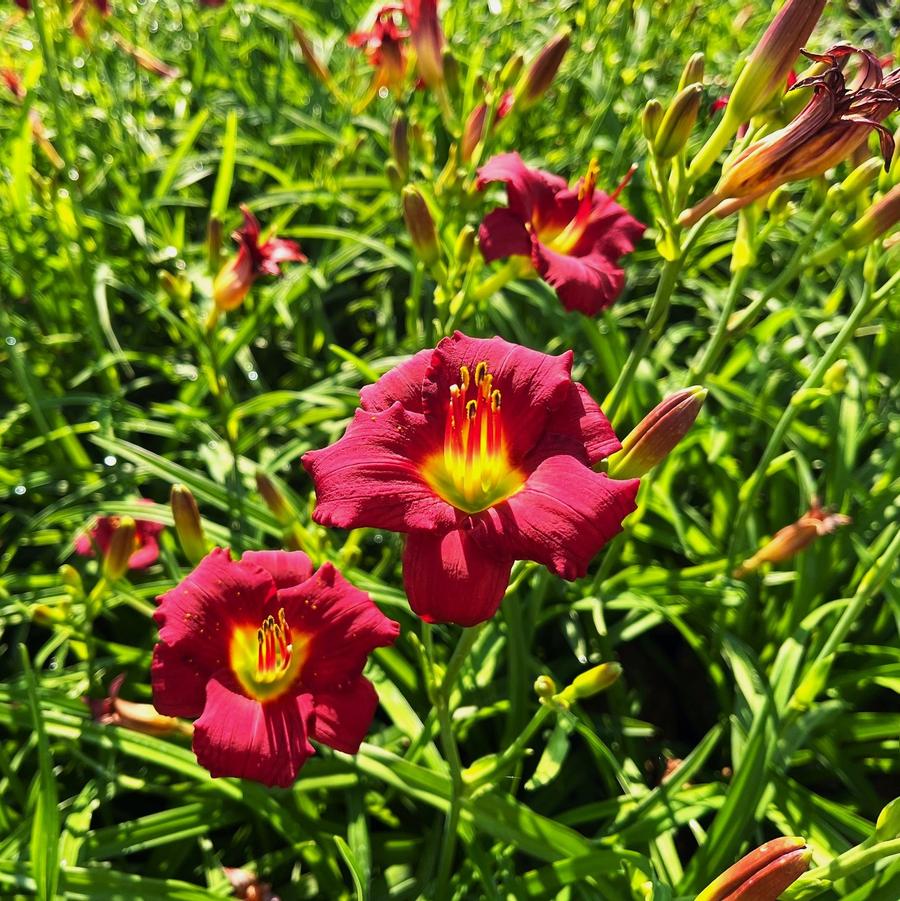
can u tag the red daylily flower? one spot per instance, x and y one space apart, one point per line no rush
253 259
481 451
385 47
574 237
427 38
146 547
268 654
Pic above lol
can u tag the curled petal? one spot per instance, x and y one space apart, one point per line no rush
403 383
344 717
503 234
588 283
237 736
452 578
531 192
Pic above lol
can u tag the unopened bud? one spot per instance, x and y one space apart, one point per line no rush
835 378
592 682
71 579
766 71
400 145
473 132
428 40
188 526
779 202
313 63
465 245
880 217
656 436
511 70
420 225
274 499
121 547
860 179
887 826
678 122
544 687
451 72
692 72
543 69
651 119
763 874
393 176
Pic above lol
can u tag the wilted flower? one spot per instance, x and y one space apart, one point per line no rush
763 874
473 131
268 654
573 237
251 261
835 122
481 451
794 538
100 534
113 711
427 38
385 47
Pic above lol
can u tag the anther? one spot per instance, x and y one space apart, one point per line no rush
464 378
495 400
480 371
471 409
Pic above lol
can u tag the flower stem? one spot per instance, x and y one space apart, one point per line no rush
493 283
822 879
714 145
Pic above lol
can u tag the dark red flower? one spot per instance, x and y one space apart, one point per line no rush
99 535
481 451
268 654
253 259
574 237
427 38
385 47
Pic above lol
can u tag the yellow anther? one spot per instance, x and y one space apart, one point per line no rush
471 408
464 378
480 371
495 400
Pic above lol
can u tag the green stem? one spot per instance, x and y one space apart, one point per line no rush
823 878
493 283
720 335
715 144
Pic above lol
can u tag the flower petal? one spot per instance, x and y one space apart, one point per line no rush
403 383
344 717
503 234
287 568
581 418
341 624
452 578
371 477
146 555
563 515
531 384
531 192
611 229
588 283
237 736
179 680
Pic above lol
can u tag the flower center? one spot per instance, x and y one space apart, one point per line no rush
267 660
473 471
565 240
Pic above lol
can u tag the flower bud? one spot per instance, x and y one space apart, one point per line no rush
544 687
511 70
400 145
883 215
692 72
763 874
188 526
313 63
428 40
678 122
656 436
465 245
859 179
121 547
592 682
766 71
71 579
451 72
651 119
233 282
420 225
542 71
473 132
274 499
393 176
887 826
835 379
779 202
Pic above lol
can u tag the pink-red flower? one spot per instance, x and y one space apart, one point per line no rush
268 654
481 451
99 535
574 237
385 47
252 260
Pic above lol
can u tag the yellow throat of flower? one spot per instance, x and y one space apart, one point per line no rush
267 660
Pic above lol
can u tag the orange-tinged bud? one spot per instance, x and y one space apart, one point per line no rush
692 72
400 145
540 74
656 436
763 874
592 682
310 57
427 38
879 218
766 71
188 526
274 499
794 538
113 711
678 122
121 546
233 282
420 225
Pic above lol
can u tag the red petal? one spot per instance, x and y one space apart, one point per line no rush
453 579
403 383
342 624
146 555
588 284
179 681
531 192
279 250
237 736
503 234
611 230
582 419
531 384
562 516
287 568
371 476
344 717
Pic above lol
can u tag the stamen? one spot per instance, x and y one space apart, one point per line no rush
464 378
274 647
480 371
282 621
586 191
624 182
259 658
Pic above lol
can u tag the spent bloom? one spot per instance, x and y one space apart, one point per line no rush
792 539
763 874
481 452
114 711
384 45
252 260
268 654
836 121
427 38
100 536
572 237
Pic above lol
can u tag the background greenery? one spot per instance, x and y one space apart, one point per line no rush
111 391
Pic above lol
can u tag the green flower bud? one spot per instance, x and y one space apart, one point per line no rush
651 119
544 687
420 225
465 244
592 682
678 123
692 72
188 526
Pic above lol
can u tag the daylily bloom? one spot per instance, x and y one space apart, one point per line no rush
268 654
100 535
573 237
385 48
251 261
113 711
427 38
481 452
835 122
794 538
